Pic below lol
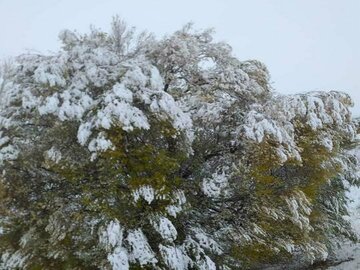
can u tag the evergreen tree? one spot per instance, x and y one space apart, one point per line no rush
126 152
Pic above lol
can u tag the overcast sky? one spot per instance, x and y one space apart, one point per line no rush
306 44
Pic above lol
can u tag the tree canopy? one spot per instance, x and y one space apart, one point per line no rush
123 151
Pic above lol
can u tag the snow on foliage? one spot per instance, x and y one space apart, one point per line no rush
112 236
140 248
177 202
174 257
112 239
145 192
206 242
119 259
53 154
300 210
7 151
15 260
280 118
71 84
124 151
214 186
165 228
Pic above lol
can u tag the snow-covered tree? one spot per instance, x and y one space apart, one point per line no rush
126 152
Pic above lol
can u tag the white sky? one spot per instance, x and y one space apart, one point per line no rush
306 44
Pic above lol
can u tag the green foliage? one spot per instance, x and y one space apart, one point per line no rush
48 192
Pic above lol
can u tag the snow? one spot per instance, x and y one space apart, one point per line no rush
348 250
140 248
207 264
52 75
145 192
50 106
173 210
99 144
116 109
84 132
112 236
119 259
165 228
174 257
121 92
126 93
177 201
279 117
15 260
68 37
201 260
7 151
28 100
215 185
206 242
209 95
53 154
257 126
74 106
300 209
